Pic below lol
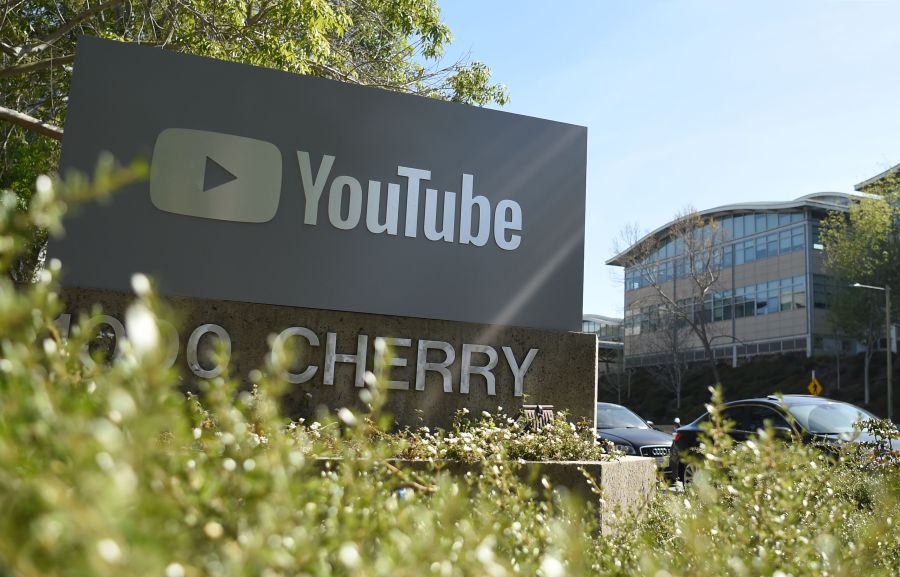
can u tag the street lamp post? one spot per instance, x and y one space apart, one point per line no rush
887 329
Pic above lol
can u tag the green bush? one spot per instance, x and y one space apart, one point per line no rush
106 469
765 507
474 439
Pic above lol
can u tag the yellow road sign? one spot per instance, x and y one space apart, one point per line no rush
815 387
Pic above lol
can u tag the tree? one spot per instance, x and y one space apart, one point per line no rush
857 314
683 291
391 44
668 346
862 246
374 42
610 378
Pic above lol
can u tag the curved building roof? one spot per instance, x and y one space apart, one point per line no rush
821 200
602 319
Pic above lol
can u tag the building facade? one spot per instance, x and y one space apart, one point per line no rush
766 287
609 331
606 328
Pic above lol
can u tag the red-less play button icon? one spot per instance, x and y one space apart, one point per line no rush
214 175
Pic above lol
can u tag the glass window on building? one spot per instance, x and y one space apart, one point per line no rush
786 300
784 242
761 222
739 302
761 251
824 290
816 239
749 224
631 325
797 235
738 224
749 251
799 291
727 228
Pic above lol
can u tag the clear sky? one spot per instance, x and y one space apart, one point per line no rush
699 103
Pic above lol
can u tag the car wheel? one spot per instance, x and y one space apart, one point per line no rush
687 473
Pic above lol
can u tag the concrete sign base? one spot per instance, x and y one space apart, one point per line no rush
436 368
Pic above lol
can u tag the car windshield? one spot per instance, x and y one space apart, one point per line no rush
613 417
828 418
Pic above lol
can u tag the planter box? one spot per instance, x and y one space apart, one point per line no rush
627 484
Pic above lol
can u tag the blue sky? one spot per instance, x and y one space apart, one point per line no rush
699 103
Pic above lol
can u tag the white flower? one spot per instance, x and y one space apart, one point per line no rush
213 530
143 332
141 284
349 555
109 550
370 379
485 551
551 567
44 187
347 416
49 347
174 570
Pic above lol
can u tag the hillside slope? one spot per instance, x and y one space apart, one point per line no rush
764 376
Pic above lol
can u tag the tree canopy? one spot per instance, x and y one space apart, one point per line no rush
862 246
679 298
392 44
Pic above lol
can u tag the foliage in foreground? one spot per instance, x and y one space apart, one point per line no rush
110 471
764 507
486 436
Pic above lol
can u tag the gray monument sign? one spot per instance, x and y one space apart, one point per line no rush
273 188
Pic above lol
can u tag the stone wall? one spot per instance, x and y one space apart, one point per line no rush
562 373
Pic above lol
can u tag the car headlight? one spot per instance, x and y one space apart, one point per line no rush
627 449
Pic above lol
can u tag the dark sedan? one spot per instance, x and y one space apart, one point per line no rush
631 434
803 417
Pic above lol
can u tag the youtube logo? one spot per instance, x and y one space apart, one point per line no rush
283 189
214 175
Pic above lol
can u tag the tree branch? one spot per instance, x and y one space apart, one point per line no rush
8 50
65 28
34 66
31 123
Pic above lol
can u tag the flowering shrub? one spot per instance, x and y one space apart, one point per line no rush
108 470
880 452
766 507
488 435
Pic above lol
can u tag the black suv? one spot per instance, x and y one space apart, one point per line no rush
803 417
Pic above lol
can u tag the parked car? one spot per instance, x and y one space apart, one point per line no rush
794 417
631 434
